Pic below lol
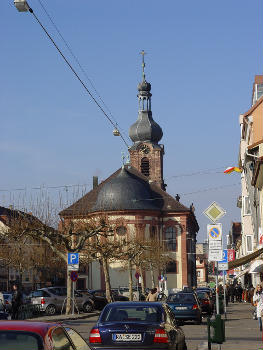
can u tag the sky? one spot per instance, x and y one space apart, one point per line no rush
201 60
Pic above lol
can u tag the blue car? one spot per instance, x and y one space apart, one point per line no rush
137 325
185 306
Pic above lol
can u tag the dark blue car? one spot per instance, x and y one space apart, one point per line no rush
186 307
137 325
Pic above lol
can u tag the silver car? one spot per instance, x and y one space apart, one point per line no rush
51 300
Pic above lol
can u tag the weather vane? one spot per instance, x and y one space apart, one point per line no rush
143 64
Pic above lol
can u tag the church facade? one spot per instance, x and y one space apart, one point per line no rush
136 196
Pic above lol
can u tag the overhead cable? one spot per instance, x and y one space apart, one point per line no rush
79 64
77 76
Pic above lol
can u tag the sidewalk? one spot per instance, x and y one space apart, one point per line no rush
242 332
61 318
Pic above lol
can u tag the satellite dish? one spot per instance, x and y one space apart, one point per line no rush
21 5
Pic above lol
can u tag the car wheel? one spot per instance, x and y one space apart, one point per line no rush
50 310
87 307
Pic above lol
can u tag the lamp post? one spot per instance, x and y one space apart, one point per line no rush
21 5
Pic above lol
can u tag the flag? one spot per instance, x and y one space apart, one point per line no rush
229 170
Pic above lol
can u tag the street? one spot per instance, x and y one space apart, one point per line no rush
242 332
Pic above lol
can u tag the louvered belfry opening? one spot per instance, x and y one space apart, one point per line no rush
145 167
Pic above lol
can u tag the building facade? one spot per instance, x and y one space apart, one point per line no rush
136 196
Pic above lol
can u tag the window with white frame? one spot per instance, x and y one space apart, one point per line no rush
249 243
246 206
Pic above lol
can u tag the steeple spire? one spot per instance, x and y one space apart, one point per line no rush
143 64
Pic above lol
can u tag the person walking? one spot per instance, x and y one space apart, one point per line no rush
17 300
258 302
152 296
232 293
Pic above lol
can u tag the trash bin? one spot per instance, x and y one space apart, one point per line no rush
216 330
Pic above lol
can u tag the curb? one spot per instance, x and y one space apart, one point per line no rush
62 318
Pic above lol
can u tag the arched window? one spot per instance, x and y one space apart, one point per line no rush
145 166
170 238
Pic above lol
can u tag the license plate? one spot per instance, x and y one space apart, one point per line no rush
181 308
127 337
35 302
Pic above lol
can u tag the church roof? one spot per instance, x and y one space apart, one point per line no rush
126 189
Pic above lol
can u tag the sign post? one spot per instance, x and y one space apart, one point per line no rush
73 266
214 233
223 266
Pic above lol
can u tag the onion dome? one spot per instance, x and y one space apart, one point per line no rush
144 86
125 191
145 129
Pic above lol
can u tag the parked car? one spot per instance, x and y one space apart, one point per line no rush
186 307
51 300
99 297
133 325
25 335
137 293
206 302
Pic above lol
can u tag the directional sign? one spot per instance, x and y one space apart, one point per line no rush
214 212
214 232
73 261
222 266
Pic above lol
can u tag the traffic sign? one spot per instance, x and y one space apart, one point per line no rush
215 254
214 232
74 276
214 212
224 257
222 266
73 261
215 244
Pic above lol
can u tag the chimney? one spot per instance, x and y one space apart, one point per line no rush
95 182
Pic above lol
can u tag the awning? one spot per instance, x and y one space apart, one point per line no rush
242 273
256 266
245 259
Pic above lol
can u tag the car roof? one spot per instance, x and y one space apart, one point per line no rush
40 328
135 303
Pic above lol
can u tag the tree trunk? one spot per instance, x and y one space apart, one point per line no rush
142 279
107 279
152 275
69 294
130 280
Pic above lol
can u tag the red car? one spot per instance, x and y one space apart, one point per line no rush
26 335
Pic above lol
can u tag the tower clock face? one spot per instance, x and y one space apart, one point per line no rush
145 149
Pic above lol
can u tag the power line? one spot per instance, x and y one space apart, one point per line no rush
200 172
76 75
79 64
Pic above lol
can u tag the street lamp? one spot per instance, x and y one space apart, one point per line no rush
21 5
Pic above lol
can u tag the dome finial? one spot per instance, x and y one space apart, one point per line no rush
143 64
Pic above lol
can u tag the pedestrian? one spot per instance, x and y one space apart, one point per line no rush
231 293
258 302
17 300
152 296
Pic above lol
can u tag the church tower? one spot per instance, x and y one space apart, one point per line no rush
146 154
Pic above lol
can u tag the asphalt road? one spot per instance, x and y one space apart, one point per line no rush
242 332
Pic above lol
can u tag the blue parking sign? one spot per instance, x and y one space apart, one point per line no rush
73 258
224 260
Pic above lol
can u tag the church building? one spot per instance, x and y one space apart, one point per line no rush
136 195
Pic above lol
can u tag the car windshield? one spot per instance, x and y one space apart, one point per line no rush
19 340
181 298
132 313
202 295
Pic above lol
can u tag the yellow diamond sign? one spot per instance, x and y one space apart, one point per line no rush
214 212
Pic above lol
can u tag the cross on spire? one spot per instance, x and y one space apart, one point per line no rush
143 64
